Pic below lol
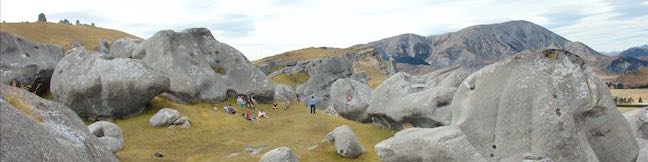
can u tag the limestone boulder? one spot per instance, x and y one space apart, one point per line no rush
638 120
36 129
109 134
423 101
281 154
123 47
284 92
201 68
169 117
322 75
345 141
93 85
360 95
27 64
545 103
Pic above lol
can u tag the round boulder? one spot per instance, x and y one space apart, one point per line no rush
345 141
344 89
109 134
164 117
281 154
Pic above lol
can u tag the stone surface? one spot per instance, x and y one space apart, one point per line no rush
283 92
638 120
95 86
643 150
164 117
27 63
345 141
109 134
422 101
201 68
123 47
36 129
547 103
104 46
356 108
281 154
361 77
322 75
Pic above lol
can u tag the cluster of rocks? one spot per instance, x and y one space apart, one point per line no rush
543 105
170 118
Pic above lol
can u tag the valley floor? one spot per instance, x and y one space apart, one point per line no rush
216 136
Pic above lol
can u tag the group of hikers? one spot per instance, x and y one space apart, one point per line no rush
624 100
249 102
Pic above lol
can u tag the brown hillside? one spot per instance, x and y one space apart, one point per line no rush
64 35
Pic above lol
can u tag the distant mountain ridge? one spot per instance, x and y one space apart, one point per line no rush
476 45
640 52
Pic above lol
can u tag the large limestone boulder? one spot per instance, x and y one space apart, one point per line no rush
281 154
643 150
284 92
360 95
322 75
169 117
95 86
544 103
201 68
26 63
123 47
423 101
36 129
345 141
638 120
109 134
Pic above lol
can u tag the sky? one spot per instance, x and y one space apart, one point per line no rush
261 28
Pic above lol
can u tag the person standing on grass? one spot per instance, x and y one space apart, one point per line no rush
286 104
312 103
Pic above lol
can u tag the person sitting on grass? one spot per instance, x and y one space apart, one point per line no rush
240 101
262 114
274 105
229 109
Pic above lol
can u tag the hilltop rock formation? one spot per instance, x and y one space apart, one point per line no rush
96 86
546 103
281 154
36 129
27 64
345 141
360 95
322 75
201 68
422 101
41 18
109 134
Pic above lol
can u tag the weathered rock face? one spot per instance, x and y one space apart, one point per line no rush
169 117
638 120
104 46
422 101
284 92
95 86
281 154
36 129
360 95
123 48
643 150
345 141
109 134
546 103
360 77
322 76
27 63
202 68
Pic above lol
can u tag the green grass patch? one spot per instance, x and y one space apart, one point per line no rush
215 135
292 80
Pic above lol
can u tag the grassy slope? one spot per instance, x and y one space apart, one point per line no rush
291 80
302 54
215 135
63 35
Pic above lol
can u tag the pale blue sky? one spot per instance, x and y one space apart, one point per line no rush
260 28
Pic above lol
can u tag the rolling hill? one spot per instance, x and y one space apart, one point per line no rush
64 35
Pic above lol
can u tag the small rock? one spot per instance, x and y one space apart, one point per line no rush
108 134
281 154
158 154
164 117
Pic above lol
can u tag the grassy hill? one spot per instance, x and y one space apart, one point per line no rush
216 136
64 35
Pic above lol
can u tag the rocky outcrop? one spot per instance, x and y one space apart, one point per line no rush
27 64
547 103
123 48
93 85
169 117
36 129
422 101
638 120
361 77
345 141
281 154
104 46
322 75
108 134
284 92
360 94
201 68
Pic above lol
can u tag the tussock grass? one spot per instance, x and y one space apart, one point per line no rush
14 100
64 35
215 135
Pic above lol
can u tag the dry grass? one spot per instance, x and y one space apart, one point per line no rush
291 80
634 93
301 54
376 77
215 135
64 35
15 101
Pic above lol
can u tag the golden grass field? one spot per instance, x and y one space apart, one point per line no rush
215 135
634 93
62 34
